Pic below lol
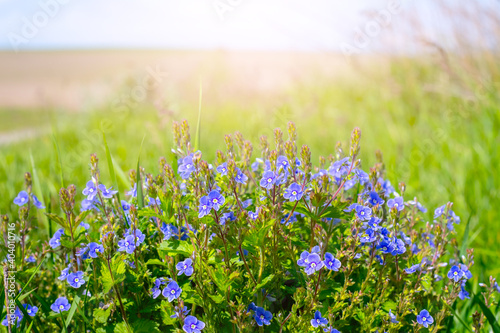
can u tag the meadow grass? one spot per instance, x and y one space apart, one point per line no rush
439 132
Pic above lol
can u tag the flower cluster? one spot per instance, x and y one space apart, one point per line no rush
242 243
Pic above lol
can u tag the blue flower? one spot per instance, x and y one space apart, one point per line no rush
375 199
414 202
216 199
412 269
313 263
75 279
132 192
227 217
31 310
17 316
282 162
84 225
253 215
268 180
392 317
318 320
331 262
127 244
331 330
205 207
386 245
424 318
186 167
155 291
95 249
293 192
262 317
64 274
363 213
465 270
222 169
30 259
37 202
106 193
463 294
193 325
22 198
125 206
61 304
439 211
185 267
90 190
172 291
397 204
455 273
55 241
241 177
178 312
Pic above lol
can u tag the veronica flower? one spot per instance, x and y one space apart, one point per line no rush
412 269
463 294
55 241
293 192
178 312
95 249
61 304
268 180
75 279
314 263
425 319
331 263
172 291
64 273
132 192
127 244
262 317
241 177
90 191
282 162
455 273
222 169
392 318
216 199
193 325
22 198
30 259
31 310
185 267
106 193
318 320
396 203
363 213
186 167
37 202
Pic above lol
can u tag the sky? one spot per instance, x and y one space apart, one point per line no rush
313 25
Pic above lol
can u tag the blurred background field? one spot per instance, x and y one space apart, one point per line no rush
434 113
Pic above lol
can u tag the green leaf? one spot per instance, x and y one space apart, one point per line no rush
23 310
72 310
173 247
145 326
57 219
102 315
263 283
31 278
217 298
454 312
487 313
156 262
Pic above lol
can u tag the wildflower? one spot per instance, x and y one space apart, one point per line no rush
216 199
30 259
37 202
106 193
75 279
193 325
31 310
253 215
184 311
455 273
424 318
125 206
61 304
331 262
55 241
205 207
241 177
465 270
439 211
463 294
331 330
282 162
392 317
375 199
155 291
186 167
127 244
172 291
84 225
95 249
185 267
420 207
386 246
22 198
227 217
318 320
262 317
412 269
64 274
397 204
293 192
268 180
90 190
313 263
222 169
363 213
132 192
17 317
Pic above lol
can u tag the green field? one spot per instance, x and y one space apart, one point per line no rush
438 129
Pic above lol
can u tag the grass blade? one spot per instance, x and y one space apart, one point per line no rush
72 311
140 195
31 278
454 312
198 123
465 240
58 154
38 189
111 168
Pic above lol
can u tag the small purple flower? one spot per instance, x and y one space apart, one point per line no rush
61 304
185 267
127 244
155 291
22 198
386 246
205 207
463 294
412 269
132 192
106 193
253 215
262 317
293 192
314 263
178 312
465 270
363 213
90 190
282 162
186 167
76 279
193 325
318 320
392 317
396 203
331 262
31 259
331 330
95 249
125 206
172 291
55 241
424 318
64 274
375 199
37 202
222 169
241 177
455 273
439 211
31 310
216 199
268 180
